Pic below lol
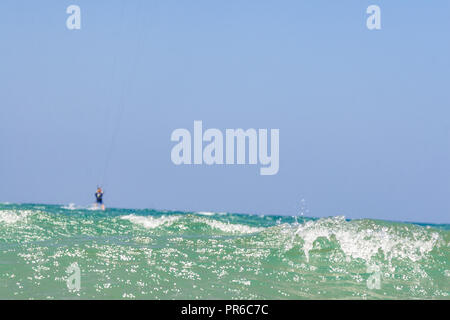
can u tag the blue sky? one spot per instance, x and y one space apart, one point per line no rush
364 116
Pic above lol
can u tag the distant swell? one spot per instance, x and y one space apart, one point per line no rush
165 221
230 227
150 222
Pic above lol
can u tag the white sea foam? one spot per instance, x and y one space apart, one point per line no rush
93 207
206 213
151 222
359 241
71 206
230 227
13 216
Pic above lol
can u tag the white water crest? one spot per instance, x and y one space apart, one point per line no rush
151 222
230 227
72 206
13 216
206 213
364 241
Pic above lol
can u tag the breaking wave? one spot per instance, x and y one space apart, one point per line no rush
151 222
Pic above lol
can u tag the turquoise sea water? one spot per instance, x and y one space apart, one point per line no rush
147 254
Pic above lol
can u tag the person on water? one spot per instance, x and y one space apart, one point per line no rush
99 197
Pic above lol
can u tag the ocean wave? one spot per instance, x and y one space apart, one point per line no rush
230 227
210 213
187 222
206 213
75 207
72 206
365 239
13 216
143 252
151 222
